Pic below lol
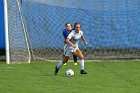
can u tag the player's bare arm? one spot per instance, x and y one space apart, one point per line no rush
84 40
69 42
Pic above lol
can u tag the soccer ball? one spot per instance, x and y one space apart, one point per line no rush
69 72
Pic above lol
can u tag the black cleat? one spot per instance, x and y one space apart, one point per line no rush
56 70
83 72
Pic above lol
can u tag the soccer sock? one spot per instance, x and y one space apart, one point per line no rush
81 62
60 64
75 58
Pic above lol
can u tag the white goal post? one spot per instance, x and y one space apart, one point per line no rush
22 53
6 32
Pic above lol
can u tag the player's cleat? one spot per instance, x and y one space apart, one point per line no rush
65 64
75 63
83 72
56 70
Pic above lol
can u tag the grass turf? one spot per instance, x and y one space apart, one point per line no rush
122 76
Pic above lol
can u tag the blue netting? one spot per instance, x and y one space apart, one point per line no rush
111 27
113 23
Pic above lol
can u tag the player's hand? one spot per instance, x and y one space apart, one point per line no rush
74 46
86 43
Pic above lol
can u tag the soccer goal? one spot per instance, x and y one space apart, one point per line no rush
33 28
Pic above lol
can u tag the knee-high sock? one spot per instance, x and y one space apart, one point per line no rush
81 62
60 64
75 58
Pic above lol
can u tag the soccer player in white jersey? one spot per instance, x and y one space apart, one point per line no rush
72 48
65 34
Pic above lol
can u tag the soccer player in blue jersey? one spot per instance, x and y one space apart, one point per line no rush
65 34
72 48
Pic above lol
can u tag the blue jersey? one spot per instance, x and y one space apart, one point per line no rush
65 34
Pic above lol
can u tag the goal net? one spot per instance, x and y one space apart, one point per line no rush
111 27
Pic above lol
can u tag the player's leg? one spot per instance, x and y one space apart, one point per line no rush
64 51
79 54
59 65
75 59
64 60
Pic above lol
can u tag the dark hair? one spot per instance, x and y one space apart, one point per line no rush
68 23
77 24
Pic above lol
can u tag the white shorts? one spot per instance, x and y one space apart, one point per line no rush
68 50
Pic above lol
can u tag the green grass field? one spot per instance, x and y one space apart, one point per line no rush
120 76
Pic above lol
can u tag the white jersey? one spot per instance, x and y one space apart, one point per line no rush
74 38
